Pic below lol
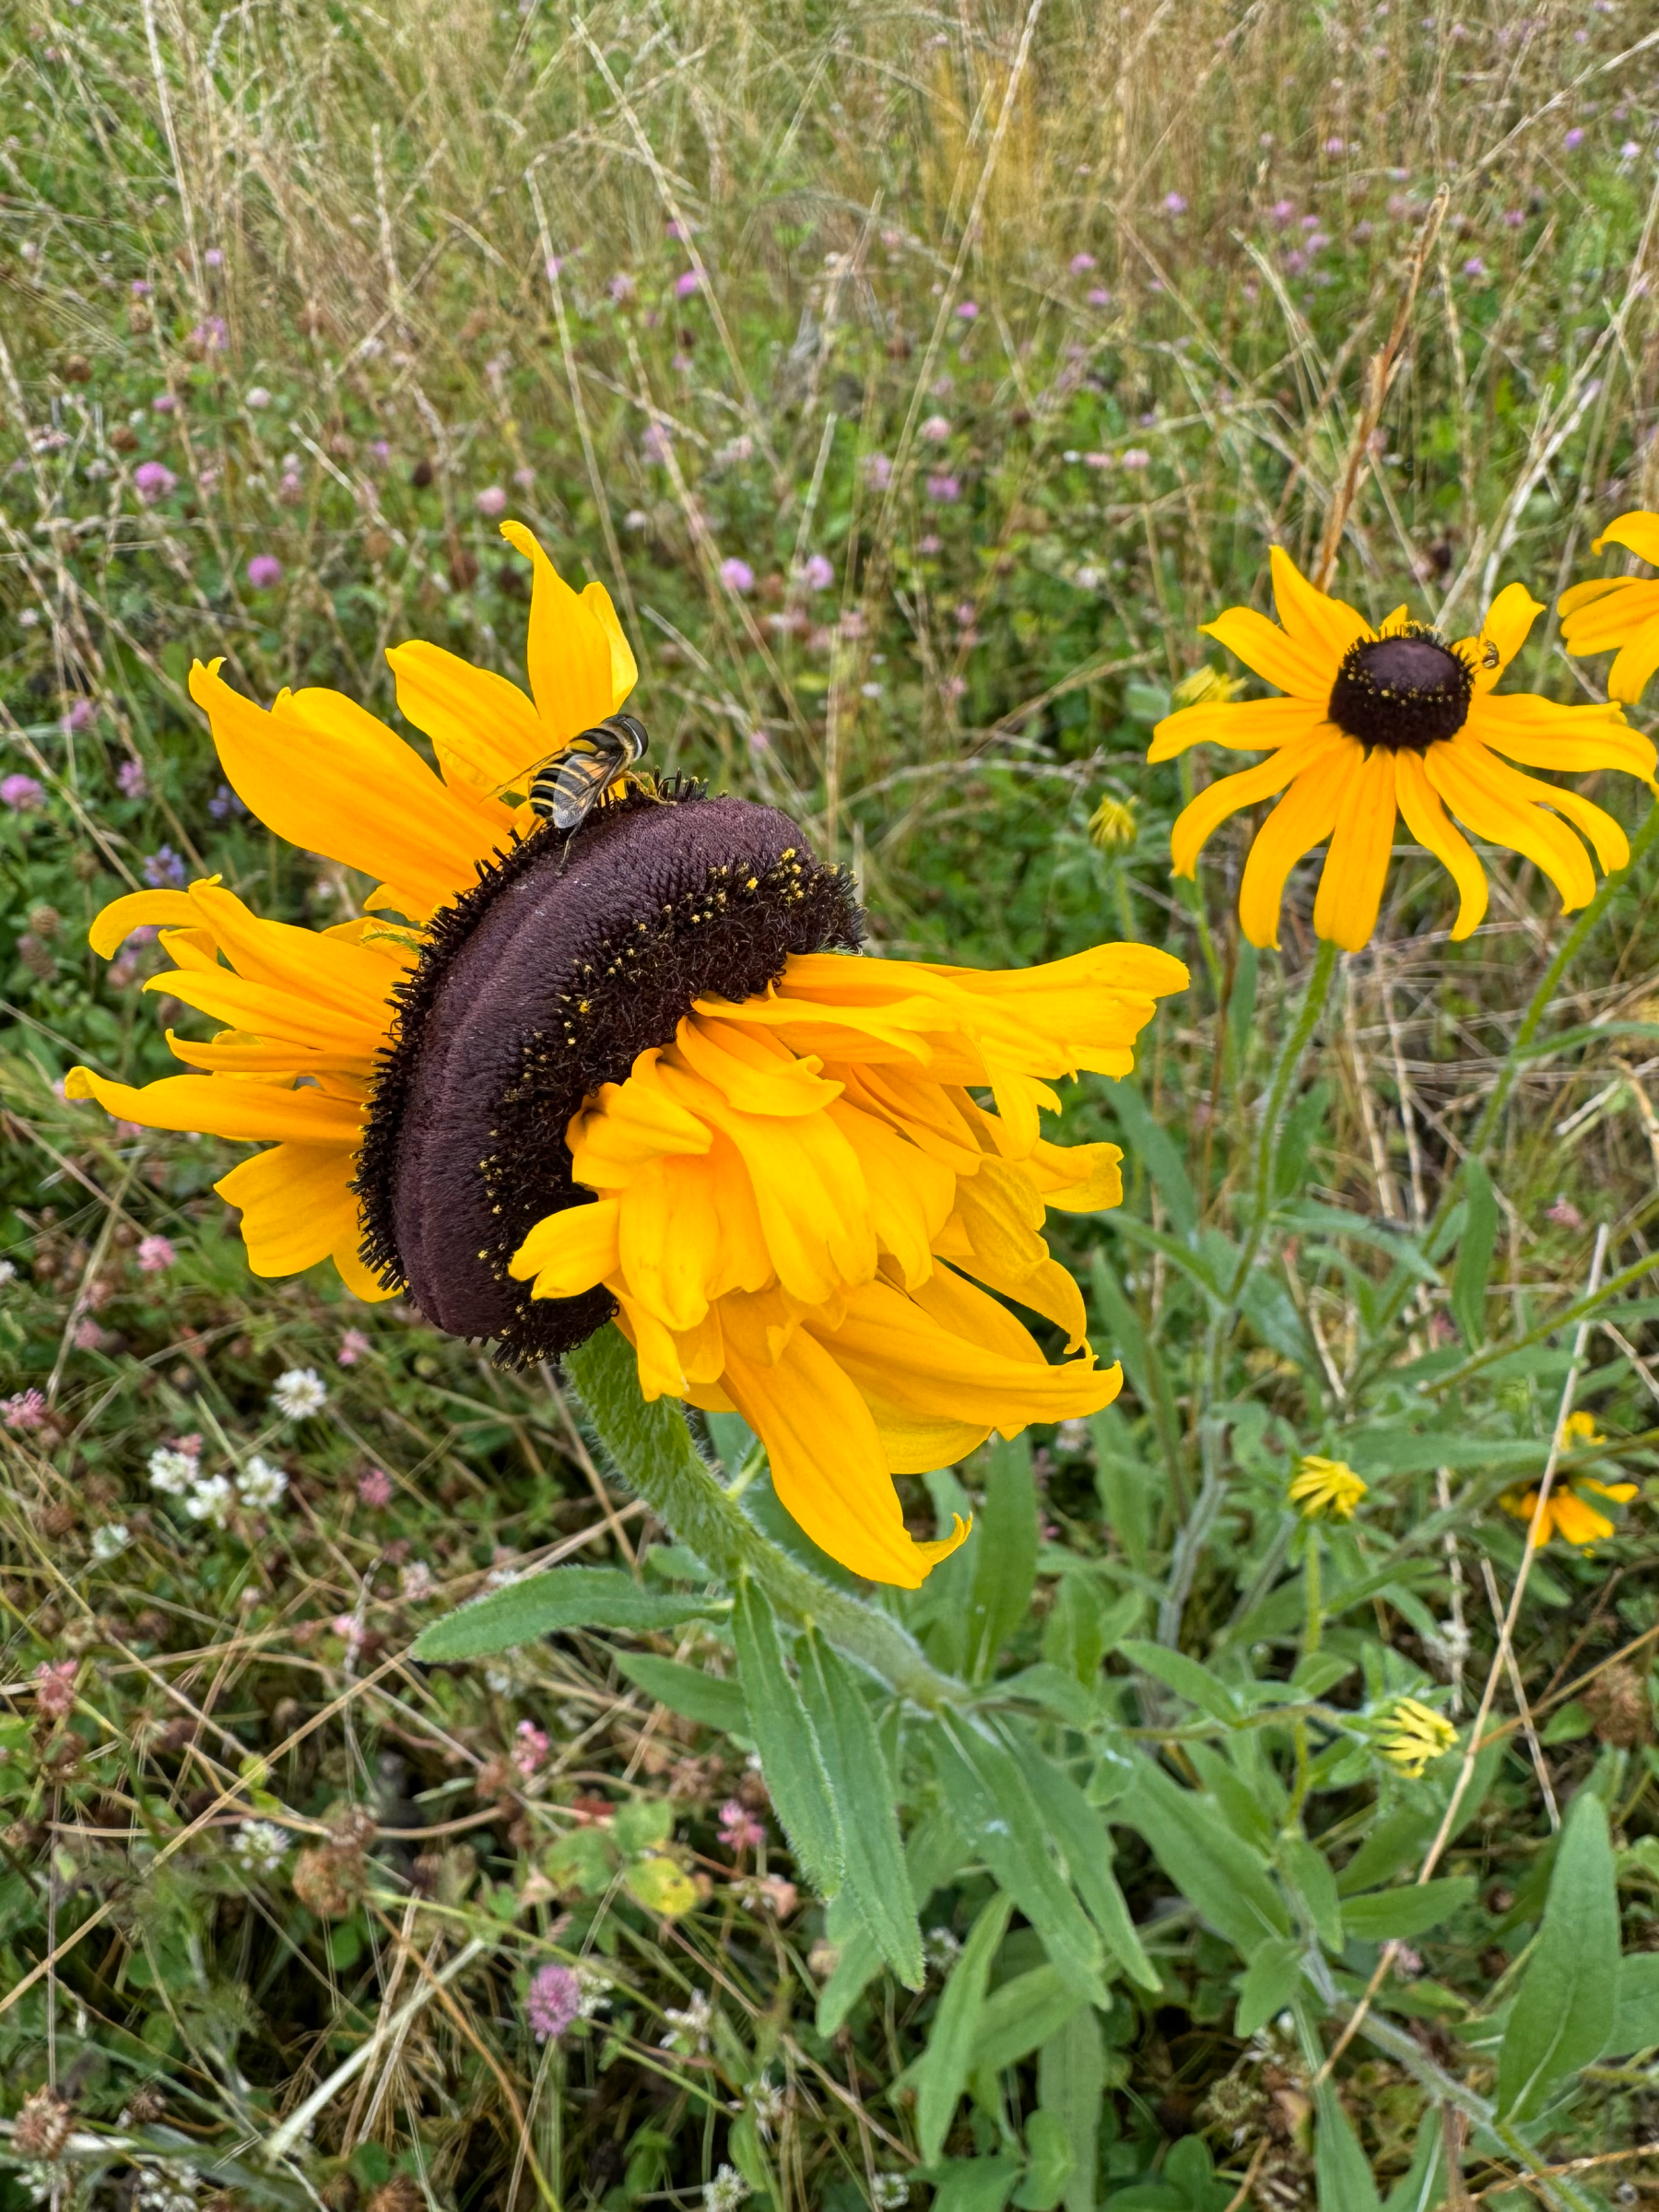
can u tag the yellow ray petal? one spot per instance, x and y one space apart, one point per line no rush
1509 619
329 779
571 652
296 1205
1250 725
1628 677
568 1251
1356 867
1272 653
1079 1179
1428 821
1466 776
1303 818
1579 1523
1603 613
828 1467
484 730
1612 847
139 910
1196 823
1573 740
268 1012
891 1341
1323 626
220 1106
1637 531
349 1267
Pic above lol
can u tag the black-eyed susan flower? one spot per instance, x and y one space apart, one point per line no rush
1410 1733
1620 611
1322 1486
1568 1512
537 1086
1395 721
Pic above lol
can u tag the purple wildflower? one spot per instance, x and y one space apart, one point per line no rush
943 490
1082 263
736 575
1099 297
22 795
491 502
163 870
353 1344
1573 139
553 2002
211 335
621 288
153 480
739 1829
879 471
818 572
224 804
1174 202
26 1410
156 1256
967 311
264 571
374 1485
936 429
129 776
686 283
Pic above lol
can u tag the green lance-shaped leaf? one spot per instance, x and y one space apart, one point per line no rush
863 1791
942 2074
1071 2082
1412 1910
700 1697
1005 1568
933 1853
1268 1983
989 1795
1020 2015
1422 2186
565 1597
1211 1866
1341 2168
1563 2012
1635 2006
1085 1843
1475 1254
791 1759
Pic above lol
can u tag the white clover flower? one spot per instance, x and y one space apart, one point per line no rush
725 2192
261 1845
298 1392
8 1273
109 1539
209 1499
689 2030
767 2101
172 1471
889 2192
414 1582
260 1483
941 1948
595 1991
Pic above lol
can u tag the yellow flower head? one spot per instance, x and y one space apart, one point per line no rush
1376 723
639 1075
1568 1512
1410 1733
1622 611
1111 825
1325 1486
1579 1429
1206 686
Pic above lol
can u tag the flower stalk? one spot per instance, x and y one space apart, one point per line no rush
653 1452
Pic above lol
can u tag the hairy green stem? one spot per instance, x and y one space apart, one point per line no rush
655 1455
1296 1044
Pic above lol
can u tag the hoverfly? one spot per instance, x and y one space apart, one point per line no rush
566 789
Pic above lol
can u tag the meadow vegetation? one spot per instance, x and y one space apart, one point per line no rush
918 380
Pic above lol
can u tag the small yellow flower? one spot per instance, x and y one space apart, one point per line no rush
1568 1512
1410 1733
1206 686
1622 611
1326 1485
1113 825
1580 1428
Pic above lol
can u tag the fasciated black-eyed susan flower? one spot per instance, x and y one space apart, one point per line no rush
1386 723
536 1086
1620 611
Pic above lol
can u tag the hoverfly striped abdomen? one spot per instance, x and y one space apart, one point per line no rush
568 788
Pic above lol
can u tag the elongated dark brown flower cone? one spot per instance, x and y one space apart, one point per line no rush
545 982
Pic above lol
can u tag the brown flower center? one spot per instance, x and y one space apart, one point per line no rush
534 988
1404 692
